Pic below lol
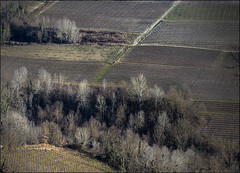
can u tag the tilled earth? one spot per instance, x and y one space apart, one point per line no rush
206 34
72 70
126 16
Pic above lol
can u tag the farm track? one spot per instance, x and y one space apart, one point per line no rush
41 8
120 55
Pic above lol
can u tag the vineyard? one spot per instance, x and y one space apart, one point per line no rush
47 158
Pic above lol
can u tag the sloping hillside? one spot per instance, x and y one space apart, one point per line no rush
48 158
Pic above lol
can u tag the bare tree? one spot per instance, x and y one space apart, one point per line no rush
104 84
160 126
101 104
138 86
67 30
137 120
157 93
59 80
71 128
45 79
19 78
83 92
82 135
17 130
121 117
114 100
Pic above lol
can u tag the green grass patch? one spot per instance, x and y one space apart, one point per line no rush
113 55
60 52
102 73
218 60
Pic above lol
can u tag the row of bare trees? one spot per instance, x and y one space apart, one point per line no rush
133 128
50 30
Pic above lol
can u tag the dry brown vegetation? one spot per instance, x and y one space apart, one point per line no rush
60 52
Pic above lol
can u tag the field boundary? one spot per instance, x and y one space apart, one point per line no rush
41 8
149 29
218 60
187 47
102 73
124 51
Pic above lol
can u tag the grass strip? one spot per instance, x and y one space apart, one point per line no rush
129 49
41 9
102 73
113 55
218 60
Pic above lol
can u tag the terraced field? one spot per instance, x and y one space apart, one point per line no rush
127 16
47 158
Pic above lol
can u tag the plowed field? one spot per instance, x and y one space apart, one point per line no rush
128 16
72 70
204 71
206 10
174 56
222 35
203 24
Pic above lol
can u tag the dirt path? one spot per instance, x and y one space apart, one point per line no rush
124 51
40 8
149 29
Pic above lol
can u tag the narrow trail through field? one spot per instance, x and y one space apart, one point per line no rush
41 8
149 29
125 50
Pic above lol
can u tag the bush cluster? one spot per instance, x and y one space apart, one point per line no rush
133 127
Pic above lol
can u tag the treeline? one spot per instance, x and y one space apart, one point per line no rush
133 127
12 13
16 25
